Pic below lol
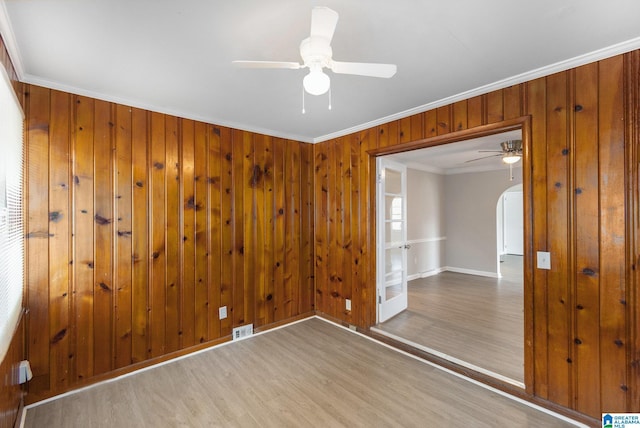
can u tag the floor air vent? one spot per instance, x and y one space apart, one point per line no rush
242 332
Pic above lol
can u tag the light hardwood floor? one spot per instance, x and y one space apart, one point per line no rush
477 320
312 373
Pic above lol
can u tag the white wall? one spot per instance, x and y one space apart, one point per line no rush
425 222
451 221
470 210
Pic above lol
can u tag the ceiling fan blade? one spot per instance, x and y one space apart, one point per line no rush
364 69
323 22
267 64
484 157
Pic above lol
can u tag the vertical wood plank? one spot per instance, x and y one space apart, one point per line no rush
124 249
364 300
307 229
430 124
239 291
512 99
172 168
215 221
417 127
202 204
189 208
103 232
280 294
444 117
37 228
321 222
586 212
475 111
270 230
292 227
59 244
612 232
632 141
226 263
333 258
495 106
140 340
258 184
82 360
345 220
558 189
251 177
405 129
157 294
389 134
537 102
460 115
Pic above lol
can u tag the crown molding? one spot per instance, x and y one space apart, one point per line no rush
600 54
6 30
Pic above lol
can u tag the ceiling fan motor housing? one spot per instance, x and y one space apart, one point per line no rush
512 146
316 52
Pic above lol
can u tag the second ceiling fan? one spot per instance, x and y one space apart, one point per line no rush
316 55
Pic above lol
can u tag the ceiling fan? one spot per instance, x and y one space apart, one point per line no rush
316 54
511 152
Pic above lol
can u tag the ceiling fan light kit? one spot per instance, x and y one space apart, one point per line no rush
317 54
510 159
316 82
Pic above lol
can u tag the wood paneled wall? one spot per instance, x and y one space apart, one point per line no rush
11 392
584 312
141 225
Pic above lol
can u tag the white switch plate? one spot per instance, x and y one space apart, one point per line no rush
347 303
544 260
222 312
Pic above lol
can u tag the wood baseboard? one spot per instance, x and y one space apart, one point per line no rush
35 398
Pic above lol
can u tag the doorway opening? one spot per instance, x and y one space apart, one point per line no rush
464 276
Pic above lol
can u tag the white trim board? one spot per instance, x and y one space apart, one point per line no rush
453 269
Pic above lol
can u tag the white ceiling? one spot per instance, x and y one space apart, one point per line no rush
460 157
175 56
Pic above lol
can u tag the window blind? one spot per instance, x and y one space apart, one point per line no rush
11 212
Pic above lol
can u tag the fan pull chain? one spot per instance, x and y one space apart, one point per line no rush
510 172
303 110
329 97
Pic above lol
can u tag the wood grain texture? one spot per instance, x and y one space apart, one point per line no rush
477 320
11 392
125 233
141 225
311 373
580 153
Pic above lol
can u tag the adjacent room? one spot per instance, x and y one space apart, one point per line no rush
464 254
332 213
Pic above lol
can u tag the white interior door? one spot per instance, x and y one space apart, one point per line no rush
392 238
513 223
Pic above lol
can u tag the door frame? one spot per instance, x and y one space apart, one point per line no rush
400 301
524 124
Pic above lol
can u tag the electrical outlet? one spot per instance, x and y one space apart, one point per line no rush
544 260
347 303
222 312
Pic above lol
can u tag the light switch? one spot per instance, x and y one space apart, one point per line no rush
544 260
222 312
